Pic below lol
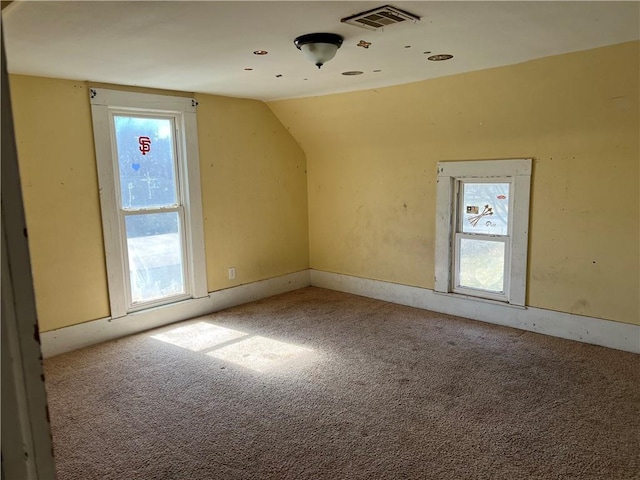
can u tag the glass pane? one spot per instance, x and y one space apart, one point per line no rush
482 264
146 161
485 208
155 256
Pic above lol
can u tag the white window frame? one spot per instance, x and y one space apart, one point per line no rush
517 172
458 235
105 104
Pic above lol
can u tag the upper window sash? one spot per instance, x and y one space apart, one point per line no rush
177 125
460 204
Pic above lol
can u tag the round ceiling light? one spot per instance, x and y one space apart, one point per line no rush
440 57
260 52
352 72
319 47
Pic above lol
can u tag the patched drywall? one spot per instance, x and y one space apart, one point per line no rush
372 159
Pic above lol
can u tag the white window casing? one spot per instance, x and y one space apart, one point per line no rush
516 172
182 111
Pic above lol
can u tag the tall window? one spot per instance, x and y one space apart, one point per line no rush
146 148
482 229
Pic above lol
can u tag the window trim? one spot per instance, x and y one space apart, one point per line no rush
519 171
105 104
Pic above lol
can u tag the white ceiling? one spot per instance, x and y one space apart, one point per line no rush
205 46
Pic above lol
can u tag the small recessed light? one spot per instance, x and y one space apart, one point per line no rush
279 75
352 72
260 52
248 69
440 57
426 53
376 71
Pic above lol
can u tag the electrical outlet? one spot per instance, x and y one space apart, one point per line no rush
232 273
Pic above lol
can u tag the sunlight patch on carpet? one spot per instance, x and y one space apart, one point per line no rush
260 354
198 336
254 352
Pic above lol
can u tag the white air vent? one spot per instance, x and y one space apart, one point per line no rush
380 17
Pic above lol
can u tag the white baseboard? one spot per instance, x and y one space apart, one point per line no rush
620 336
82 335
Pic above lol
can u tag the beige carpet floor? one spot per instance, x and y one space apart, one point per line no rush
316 384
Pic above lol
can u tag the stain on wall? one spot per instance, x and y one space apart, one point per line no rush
576 115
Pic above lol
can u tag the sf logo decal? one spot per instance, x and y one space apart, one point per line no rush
145 145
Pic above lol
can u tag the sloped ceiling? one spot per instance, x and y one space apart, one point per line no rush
207 46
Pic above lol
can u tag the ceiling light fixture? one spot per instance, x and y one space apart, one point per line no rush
319 47
260 52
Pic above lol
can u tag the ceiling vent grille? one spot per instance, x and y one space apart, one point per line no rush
380 17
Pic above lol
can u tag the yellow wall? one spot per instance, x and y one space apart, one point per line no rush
254 196
57 163
372 158
254 192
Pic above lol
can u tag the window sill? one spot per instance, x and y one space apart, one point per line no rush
161 310
479 299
